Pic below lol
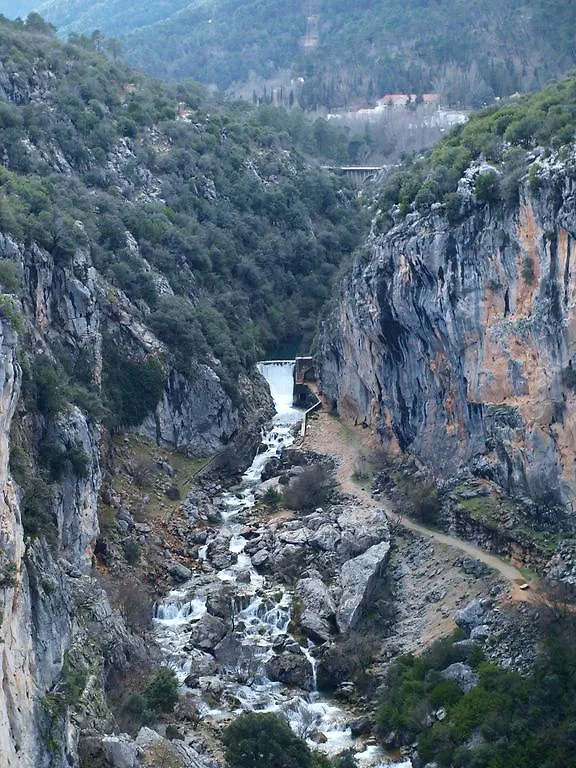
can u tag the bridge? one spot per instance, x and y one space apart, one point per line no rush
358 174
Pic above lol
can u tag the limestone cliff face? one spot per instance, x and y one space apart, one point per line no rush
37 623
56 623
457 343
75 306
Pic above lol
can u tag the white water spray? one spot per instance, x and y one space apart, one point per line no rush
261 613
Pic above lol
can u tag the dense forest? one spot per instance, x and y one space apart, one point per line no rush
208 216
470 53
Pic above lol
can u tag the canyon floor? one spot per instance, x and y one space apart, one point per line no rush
435 574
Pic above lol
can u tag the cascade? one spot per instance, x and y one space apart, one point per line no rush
261 612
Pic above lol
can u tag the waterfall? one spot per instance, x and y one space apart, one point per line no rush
280 377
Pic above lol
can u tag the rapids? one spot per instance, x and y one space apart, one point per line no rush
261 612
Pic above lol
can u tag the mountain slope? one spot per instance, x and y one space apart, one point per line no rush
454 337
345 52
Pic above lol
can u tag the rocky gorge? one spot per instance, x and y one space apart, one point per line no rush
173 554
455 343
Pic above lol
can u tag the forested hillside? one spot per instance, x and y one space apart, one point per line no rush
355 51
208 217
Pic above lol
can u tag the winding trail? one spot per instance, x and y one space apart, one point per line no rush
344 442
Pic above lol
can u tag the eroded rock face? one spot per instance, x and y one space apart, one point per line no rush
194 414
44 588
457 343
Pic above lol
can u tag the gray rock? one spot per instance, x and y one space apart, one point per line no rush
207 632
194 413
147 736
142 528
326 538
212 514
179 572
299 537
315 596
480 409
315 627
472 615
361 528
360 727
202 664
222 559
357 579
480 633
463 675
260 558
120 751
435 594
123 514
220 603
289 560
292 669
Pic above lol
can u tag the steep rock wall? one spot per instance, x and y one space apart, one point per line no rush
457 342
56 623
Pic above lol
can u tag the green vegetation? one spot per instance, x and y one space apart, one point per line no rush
132 551
162 693
132 388
507 720
204 214
257 740
470 52
503 136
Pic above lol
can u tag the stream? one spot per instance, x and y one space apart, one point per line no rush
261 613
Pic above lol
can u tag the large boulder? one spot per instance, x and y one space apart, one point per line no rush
357 580
315 627
207 632
326 538
361 528
292 669
463 675
315 596
472 615
120 751
220 603
179 572
319 608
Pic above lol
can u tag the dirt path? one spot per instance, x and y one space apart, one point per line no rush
328 435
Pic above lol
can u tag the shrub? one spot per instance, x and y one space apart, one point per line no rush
256 740
488 187
528 270
173 493
162 693
132 387
172 732
37 517
10 276
143 471
131 551
424 502
272 498
45 386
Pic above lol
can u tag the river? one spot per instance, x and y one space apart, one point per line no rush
261 613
